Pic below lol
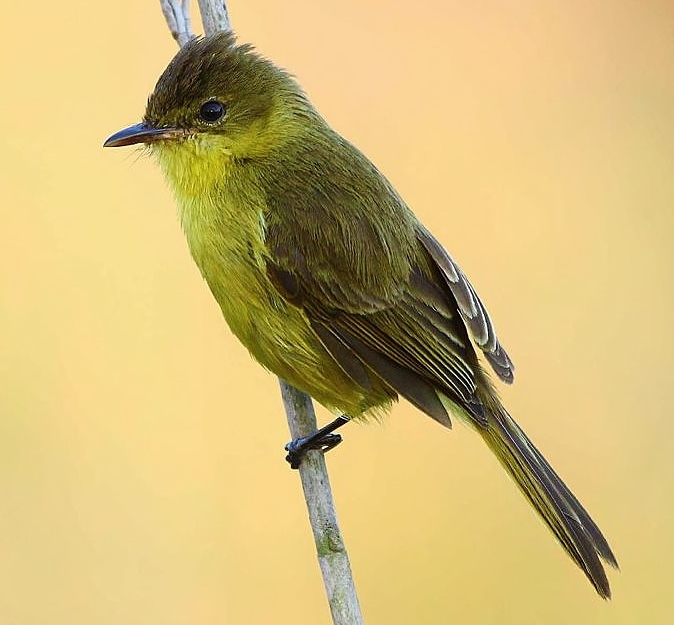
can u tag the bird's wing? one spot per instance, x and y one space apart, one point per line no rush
384 301
377 288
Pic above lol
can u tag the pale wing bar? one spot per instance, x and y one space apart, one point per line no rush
471 308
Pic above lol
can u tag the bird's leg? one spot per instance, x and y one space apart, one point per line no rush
322 439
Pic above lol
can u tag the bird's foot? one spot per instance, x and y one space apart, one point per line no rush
322 439
300 446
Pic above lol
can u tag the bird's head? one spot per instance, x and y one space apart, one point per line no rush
217 101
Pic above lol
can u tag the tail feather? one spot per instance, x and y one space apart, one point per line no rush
552 499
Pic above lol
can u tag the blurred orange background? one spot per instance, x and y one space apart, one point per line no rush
141 467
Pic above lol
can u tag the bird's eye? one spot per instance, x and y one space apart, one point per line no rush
211 111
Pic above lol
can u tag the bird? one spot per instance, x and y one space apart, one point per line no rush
325 274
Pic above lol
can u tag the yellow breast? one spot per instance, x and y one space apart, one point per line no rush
223 221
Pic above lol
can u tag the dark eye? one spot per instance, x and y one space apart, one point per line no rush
211 111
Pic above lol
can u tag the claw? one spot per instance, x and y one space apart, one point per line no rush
323 440
300 446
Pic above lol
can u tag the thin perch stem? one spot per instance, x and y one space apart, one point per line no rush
332 555
214 16
177 15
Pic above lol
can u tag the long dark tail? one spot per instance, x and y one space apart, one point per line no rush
558 507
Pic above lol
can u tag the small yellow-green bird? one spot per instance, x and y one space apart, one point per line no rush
324 273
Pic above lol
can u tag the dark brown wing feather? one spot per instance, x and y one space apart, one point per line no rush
346 348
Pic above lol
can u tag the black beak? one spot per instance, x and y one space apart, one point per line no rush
140 133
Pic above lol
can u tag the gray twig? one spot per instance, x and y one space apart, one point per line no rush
177 14
214 16
332 555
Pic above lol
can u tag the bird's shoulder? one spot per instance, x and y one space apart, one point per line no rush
335 226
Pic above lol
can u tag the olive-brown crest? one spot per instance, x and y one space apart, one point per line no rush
214 68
